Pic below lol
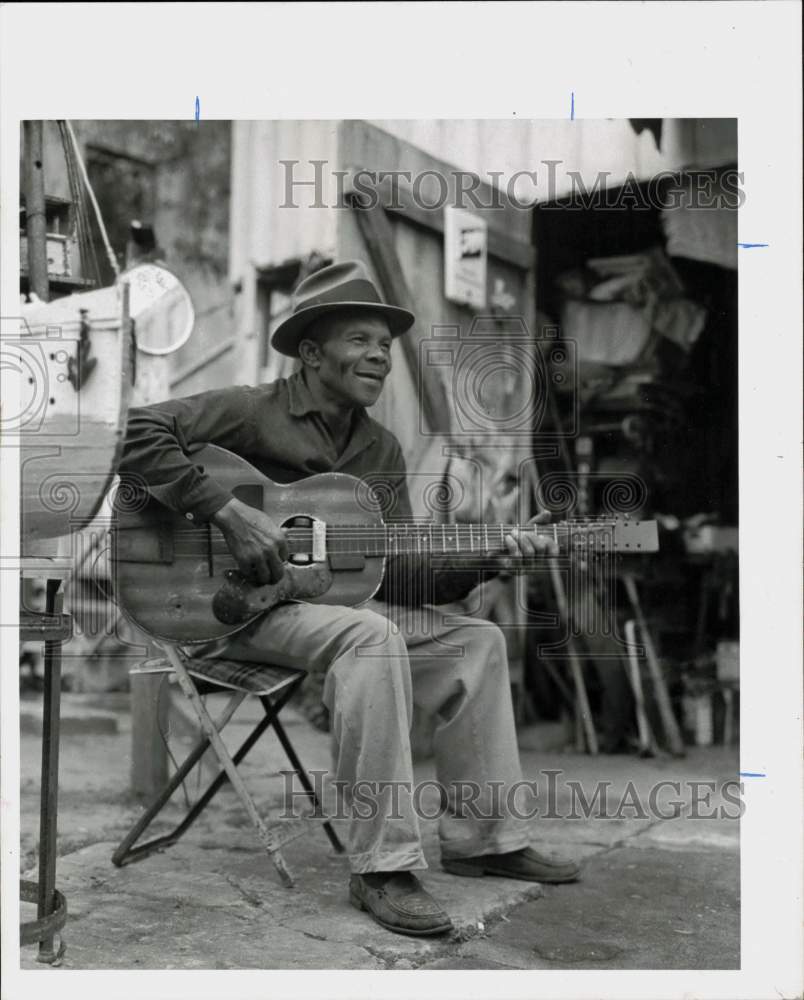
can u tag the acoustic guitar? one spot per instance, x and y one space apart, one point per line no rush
179 582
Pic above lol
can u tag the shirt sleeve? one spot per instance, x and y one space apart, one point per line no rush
412 580
161 437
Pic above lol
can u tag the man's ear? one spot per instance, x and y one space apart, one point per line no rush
310 352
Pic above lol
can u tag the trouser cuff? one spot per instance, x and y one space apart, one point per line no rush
477 848
404 859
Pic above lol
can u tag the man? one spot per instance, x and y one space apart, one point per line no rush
315 421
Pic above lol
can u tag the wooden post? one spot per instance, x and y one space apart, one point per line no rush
35 220
149 720
378 234
584 723
669 723
149 757
582 702
647 744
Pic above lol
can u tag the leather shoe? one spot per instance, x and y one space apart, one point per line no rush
397 901
527 864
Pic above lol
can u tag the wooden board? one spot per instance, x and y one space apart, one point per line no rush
70 438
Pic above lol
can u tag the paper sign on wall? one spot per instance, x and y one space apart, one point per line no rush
465 256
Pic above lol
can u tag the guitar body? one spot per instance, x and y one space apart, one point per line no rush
168 570
178 581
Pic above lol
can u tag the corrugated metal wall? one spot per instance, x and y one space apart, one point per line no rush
264 233
514 146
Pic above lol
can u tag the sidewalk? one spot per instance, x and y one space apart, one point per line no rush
215 901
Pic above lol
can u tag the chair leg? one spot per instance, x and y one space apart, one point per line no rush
272 713
268 839
126 852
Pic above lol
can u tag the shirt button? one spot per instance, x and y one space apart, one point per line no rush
189 517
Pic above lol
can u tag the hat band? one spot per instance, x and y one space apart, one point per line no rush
356 290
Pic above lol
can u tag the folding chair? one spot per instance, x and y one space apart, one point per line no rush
273 685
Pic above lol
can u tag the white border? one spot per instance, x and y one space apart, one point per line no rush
381 61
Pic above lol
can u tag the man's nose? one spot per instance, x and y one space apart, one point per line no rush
379 355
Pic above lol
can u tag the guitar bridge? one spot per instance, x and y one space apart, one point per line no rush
319 530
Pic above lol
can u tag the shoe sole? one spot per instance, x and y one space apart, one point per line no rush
474 871
358 903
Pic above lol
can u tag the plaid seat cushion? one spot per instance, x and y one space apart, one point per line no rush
239 675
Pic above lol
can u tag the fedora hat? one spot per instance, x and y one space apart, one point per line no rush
344 287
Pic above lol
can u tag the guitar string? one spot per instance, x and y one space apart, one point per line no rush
424 530
393 539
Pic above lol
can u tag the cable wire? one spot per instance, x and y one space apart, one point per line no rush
85 177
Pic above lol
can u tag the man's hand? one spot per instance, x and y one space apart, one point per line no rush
255 541
530 545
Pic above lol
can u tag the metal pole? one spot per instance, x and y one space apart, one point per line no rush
36 225
49 801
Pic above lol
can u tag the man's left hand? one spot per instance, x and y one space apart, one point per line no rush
529 544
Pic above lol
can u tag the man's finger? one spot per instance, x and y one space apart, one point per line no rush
532 545
277 570
258 571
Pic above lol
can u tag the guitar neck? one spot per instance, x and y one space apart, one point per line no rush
411 538
456 539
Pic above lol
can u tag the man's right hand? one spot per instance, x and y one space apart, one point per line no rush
258 545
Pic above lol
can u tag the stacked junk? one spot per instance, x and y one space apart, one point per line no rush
633 326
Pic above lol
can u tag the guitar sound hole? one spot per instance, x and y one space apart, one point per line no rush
305 557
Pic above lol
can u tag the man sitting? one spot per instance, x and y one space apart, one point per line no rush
313 422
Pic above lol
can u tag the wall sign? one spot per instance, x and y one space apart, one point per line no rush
465 257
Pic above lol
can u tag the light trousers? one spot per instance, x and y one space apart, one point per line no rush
378 662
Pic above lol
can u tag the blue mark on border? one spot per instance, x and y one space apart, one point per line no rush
572 106
752 774
750 246
197 109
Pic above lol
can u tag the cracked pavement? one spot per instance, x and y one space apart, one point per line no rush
655 893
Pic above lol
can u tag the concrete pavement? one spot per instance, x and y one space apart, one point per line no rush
656 892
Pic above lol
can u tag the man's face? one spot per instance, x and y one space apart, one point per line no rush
354 358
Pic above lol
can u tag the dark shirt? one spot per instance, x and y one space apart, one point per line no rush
279 428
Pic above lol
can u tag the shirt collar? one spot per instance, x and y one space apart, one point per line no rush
361 437
300 398
301 402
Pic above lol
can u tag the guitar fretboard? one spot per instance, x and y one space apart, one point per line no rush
434 539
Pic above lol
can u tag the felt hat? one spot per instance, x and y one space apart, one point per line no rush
343 287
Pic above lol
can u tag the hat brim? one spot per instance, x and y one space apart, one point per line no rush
287 335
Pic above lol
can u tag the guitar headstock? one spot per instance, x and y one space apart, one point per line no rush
635 536
614 534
